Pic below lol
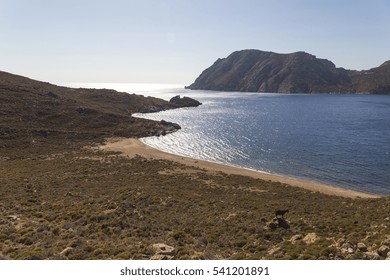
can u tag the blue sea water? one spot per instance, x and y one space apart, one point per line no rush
343 140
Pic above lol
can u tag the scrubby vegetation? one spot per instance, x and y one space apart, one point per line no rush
61 200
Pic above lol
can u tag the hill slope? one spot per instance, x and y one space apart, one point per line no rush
300 72
64 198
375 80
34 107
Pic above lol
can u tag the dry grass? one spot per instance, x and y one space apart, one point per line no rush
59 200
68 202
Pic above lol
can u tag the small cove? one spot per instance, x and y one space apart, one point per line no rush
342 140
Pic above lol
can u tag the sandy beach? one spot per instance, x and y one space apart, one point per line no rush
132 147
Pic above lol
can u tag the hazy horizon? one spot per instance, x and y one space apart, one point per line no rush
173 41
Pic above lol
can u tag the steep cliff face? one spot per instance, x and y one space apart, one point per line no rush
259 71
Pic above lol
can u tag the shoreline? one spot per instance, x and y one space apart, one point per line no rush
132 147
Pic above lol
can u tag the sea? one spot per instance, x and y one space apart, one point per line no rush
341 140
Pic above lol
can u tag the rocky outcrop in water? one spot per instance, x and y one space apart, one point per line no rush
299 72
184 101
168 127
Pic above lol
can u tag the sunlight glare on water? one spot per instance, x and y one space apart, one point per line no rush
342 140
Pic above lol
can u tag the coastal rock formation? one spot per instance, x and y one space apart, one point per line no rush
299 72
175 102
184 102
31 107
154 108
168 127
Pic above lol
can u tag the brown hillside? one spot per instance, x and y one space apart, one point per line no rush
34 107
375 80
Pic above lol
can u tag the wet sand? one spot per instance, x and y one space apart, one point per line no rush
132 147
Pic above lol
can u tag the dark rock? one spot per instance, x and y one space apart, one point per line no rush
277 223
174 125
167 127
386 242
300 72
362 247
184 101
383 250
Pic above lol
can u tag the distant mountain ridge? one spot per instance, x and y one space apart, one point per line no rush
299 72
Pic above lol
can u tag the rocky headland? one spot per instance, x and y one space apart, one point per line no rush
299 72
32 107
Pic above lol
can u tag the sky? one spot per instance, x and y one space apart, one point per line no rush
173 41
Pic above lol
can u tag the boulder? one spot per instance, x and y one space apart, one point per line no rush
13 217
371 256
163 252
340 242
295 239
310 238
163 249
271 226
386 242
347 249
383 250
362 247
277 223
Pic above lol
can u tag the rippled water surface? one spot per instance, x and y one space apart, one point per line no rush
342 140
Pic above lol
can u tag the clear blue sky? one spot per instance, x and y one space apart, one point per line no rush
172 41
